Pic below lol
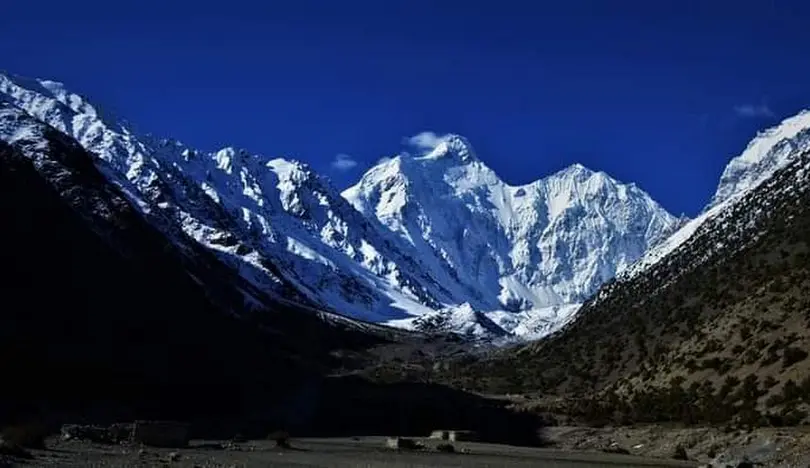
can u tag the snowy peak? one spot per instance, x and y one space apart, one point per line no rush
511 248
770 150
454 147
436 235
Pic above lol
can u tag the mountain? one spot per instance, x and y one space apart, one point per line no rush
769 151
536 250
94 294
492 260
106 319
278 223
714 330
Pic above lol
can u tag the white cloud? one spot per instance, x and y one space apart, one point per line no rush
425 140
753 111
343 162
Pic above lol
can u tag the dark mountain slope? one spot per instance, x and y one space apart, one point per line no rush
718 329
104 319
99 308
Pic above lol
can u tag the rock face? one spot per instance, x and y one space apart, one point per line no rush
714 331
770 151
417 235
526 250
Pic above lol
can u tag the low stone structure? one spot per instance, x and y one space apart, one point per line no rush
161 433
400 443
111 434
463 436
454 436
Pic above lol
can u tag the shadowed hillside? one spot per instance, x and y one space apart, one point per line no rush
104 319
717 331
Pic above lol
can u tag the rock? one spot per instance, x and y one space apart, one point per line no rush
680 453
174 456
616 449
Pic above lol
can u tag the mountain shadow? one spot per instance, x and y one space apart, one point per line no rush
104 319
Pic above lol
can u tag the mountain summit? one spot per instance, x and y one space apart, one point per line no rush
528 250
433 241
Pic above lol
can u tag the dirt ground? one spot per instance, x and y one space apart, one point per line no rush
571 447
357 452
772 447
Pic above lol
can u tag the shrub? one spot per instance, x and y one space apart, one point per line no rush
445 448
281 438
792 355
770 382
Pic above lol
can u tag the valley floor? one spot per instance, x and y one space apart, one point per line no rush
337 452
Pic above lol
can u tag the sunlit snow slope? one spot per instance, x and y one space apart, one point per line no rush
435 241
530 251
769 151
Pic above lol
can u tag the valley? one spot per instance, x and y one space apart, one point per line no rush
246 295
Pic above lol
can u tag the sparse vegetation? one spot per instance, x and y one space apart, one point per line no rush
727 315
281 438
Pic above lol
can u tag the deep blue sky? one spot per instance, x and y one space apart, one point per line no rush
648 91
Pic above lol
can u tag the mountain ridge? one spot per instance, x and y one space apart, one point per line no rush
288 231
506 223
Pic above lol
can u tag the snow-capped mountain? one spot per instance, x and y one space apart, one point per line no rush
769 151
530 248
437 236
276 221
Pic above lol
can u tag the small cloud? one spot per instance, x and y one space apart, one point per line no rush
383 160
343 162
425 140
750 111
